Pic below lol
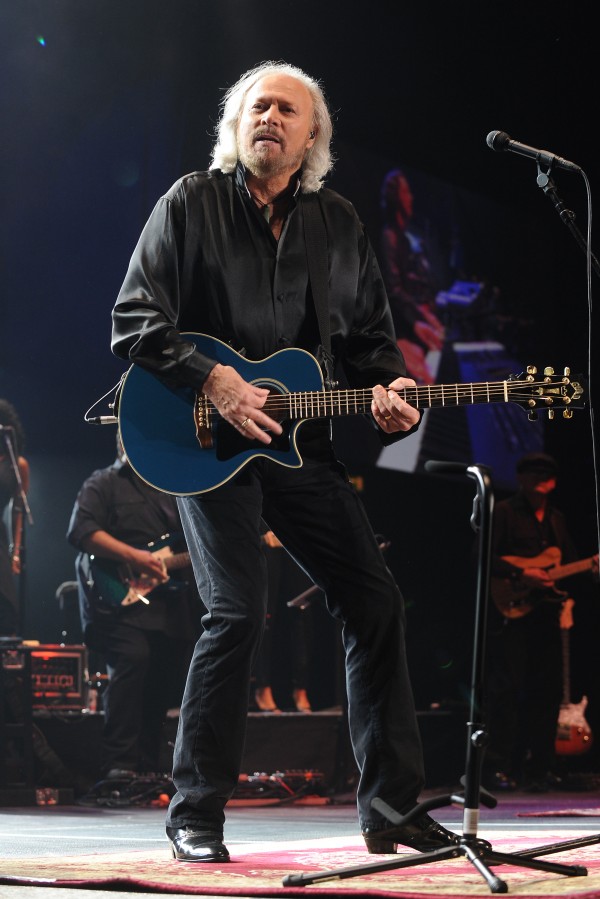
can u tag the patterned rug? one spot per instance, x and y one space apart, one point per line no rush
562 813
259 871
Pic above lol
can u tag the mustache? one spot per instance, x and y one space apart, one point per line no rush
264 133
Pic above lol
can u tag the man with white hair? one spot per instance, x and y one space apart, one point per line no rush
224 255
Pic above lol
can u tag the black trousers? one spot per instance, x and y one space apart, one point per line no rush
320 519
524 691
145 679
285 580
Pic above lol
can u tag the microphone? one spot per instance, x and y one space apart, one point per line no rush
499 140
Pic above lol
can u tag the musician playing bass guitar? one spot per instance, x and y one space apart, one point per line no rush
137 614
524 677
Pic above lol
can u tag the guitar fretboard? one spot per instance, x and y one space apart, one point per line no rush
177 560
565 638
331 403
571 568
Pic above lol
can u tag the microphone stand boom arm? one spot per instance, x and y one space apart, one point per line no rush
567 216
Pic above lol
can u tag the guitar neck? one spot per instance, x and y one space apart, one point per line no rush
565 637
332 403
177 560
571 568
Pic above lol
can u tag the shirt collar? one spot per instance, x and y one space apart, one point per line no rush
240 180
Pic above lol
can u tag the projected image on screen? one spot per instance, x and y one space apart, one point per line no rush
450 324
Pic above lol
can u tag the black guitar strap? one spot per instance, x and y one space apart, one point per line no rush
315 238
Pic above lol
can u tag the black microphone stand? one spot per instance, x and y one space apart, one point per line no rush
479 852
567 216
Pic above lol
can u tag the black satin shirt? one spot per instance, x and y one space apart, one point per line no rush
207 261
116 500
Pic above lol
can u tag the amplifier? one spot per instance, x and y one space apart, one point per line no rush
58 676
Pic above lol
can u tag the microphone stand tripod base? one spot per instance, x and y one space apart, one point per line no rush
479 856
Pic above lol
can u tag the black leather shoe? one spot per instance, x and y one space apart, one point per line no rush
424 834
196 845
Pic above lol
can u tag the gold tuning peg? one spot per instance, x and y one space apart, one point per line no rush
550 414
567 413
548 370
566 371
532 415
531 370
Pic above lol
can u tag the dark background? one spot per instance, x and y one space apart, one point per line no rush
104 105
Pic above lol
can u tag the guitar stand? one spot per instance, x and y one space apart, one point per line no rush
479 852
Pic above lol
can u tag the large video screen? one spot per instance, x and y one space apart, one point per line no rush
453 292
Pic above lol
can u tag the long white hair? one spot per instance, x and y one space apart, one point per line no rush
318 160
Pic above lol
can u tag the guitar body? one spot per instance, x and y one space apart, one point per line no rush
116 585
158 429
515 600
573 734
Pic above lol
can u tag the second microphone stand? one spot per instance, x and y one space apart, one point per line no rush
479 852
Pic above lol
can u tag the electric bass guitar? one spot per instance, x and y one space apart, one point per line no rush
573 733
116 584
177 442
514 599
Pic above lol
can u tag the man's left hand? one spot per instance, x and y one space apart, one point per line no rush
390 411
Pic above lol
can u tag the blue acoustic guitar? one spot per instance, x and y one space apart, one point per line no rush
177 442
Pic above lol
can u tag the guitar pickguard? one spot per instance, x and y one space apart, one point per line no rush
230 443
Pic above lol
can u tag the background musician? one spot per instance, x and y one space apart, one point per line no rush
525 676
147 644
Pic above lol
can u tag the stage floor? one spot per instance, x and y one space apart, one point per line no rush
79 830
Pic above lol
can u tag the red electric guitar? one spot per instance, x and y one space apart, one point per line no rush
573 733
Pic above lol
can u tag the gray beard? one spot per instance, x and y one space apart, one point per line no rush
262 167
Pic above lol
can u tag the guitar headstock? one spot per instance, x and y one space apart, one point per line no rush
549 393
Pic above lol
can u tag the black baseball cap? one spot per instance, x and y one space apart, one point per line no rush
539 463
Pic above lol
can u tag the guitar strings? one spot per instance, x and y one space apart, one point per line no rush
322 400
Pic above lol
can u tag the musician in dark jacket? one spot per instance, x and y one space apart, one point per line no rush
146 642
225 253
525 672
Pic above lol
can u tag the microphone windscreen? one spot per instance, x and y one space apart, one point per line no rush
497 140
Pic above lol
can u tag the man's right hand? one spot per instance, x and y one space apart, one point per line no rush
240 403
537 578
145 562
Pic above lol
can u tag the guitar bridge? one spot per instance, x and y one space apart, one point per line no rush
201 420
